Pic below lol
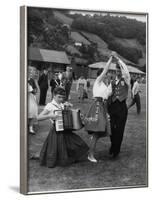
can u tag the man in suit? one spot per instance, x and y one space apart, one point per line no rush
54 82
118 109
68 79
43 84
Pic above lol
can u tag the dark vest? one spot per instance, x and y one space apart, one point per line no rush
120 91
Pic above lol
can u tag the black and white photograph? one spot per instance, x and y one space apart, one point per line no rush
86 86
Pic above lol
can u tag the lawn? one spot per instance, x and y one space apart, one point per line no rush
129 169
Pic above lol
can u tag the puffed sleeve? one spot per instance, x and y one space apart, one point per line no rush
30 89
49 107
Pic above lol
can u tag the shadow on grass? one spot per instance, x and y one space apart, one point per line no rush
15 188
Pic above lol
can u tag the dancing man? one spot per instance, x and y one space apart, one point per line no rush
117 109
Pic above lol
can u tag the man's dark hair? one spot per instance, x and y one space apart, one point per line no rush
99 72
117 66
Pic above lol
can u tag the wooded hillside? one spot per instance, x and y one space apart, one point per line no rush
51 29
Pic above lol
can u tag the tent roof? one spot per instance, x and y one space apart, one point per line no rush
46 55
113 67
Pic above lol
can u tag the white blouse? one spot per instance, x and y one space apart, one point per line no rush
52 106
100 89
30 89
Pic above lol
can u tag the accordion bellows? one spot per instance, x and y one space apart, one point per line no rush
67 119
70 120
77 122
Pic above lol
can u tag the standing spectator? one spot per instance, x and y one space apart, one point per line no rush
81 88
88 84
136 96
132 80
118 109
88 87
60 76
54 82
68 79
43 84
32 102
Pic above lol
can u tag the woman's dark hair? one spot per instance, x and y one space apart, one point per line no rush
59 90
99 72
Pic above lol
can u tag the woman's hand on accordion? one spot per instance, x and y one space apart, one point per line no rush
68 105
54 116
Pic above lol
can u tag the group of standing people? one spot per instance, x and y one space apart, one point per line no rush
41 86
63 79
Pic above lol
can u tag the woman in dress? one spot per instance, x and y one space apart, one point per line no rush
97 116
60 147
32 101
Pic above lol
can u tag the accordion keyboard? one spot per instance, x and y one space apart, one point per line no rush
59 126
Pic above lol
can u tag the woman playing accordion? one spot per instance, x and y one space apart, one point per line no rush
62 146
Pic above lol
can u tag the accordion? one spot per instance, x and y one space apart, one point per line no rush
69 119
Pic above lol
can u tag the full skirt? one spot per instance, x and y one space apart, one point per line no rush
32 106
62 148
98 123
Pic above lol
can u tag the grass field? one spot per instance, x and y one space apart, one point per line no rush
130 169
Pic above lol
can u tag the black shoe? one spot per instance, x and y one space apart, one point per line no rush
110 151
115 155
42 104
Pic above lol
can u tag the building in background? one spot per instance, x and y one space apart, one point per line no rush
54 61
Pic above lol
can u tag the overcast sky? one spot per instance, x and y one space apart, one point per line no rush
139 17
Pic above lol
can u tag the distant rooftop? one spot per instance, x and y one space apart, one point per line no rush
46 55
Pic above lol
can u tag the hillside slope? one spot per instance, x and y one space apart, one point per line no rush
133 43
63 18
47 30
